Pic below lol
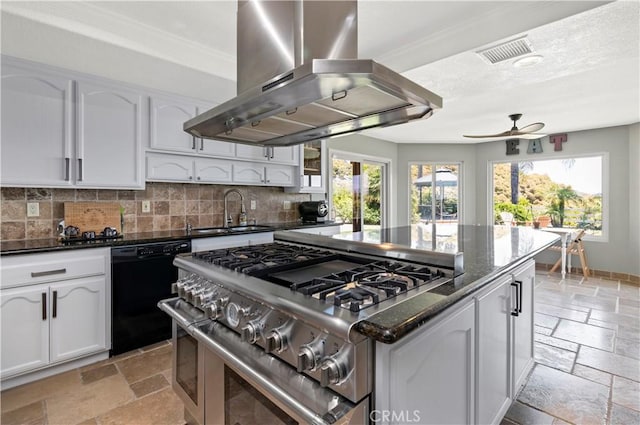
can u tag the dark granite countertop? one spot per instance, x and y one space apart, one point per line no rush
29 246
489 252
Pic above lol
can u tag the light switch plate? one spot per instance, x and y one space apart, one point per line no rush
253 204
146 206
286 205
33 209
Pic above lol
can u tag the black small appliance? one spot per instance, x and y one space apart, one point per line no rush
313 211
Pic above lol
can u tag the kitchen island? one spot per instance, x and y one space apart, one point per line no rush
460 352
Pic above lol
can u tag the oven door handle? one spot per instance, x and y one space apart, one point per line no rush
182 312
306 414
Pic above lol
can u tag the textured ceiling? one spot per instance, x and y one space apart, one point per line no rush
588 78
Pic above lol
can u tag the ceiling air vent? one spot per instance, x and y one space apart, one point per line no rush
509 50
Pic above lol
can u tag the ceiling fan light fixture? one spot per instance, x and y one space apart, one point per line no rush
528 61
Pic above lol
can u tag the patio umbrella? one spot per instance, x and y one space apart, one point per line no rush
444 178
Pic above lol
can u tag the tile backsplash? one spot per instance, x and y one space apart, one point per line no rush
172 206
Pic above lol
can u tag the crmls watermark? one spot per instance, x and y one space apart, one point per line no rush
388 416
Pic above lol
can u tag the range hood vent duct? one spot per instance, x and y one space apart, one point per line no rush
299 79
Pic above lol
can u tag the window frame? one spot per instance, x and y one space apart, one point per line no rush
605 187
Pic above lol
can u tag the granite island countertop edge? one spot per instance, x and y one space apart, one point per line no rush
374 327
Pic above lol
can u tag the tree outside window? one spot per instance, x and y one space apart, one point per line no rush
563 192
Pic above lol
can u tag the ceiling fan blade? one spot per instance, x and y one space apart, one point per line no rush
489 136
531 136
532 128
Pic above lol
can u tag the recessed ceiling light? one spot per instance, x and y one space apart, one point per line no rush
527 61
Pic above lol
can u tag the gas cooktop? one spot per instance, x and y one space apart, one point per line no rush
345 280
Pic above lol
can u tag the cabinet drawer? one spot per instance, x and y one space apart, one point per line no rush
29 269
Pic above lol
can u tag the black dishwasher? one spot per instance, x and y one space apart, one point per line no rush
141 275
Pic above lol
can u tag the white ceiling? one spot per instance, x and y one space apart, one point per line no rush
589 76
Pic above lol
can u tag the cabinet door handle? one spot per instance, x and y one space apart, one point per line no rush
48 272
519 282
515 310
44 306
80 173
266 152
271 148
193 142
201 144
54 309
66 169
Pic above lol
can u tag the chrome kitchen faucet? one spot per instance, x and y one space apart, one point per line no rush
228 220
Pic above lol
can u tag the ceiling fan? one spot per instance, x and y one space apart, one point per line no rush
526 132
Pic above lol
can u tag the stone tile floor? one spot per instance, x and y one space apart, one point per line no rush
587 354
587 371
129 389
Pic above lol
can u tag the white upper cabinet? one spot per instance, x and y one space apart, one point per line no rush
109 136
165 129
260 174
37 133
167 117
213 170
282 154
169 168
61 131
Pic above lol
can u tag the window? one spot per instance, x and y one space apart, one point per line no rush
565 192
358 191
435 193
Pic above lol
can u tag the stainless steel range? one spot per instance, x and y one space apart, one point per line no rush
280 317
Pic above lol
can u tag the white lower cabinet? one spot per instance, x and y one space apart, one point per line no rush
523 326
25 329
53 309
79 298
494 325
428 377
466 366
504 320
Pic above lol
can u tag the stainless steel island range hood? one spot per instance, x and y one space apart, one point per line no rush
299 79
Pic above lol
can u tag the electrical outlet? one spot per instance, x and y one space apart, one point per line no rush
286 205
146 206
253 204
33 209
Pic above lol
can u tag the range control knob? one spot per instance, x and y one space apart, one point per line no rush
201 299
191 294
309 355
306 359
276 341
331 372
214 310
250 332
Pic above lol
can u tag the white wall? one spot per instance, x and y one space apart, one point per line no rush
443 153
620 252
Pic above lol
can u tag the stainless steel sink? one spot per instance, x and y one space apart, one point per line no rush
249 228
234 229
210 230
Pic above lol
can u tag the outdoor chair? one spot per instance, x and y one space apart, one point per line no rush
575 248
